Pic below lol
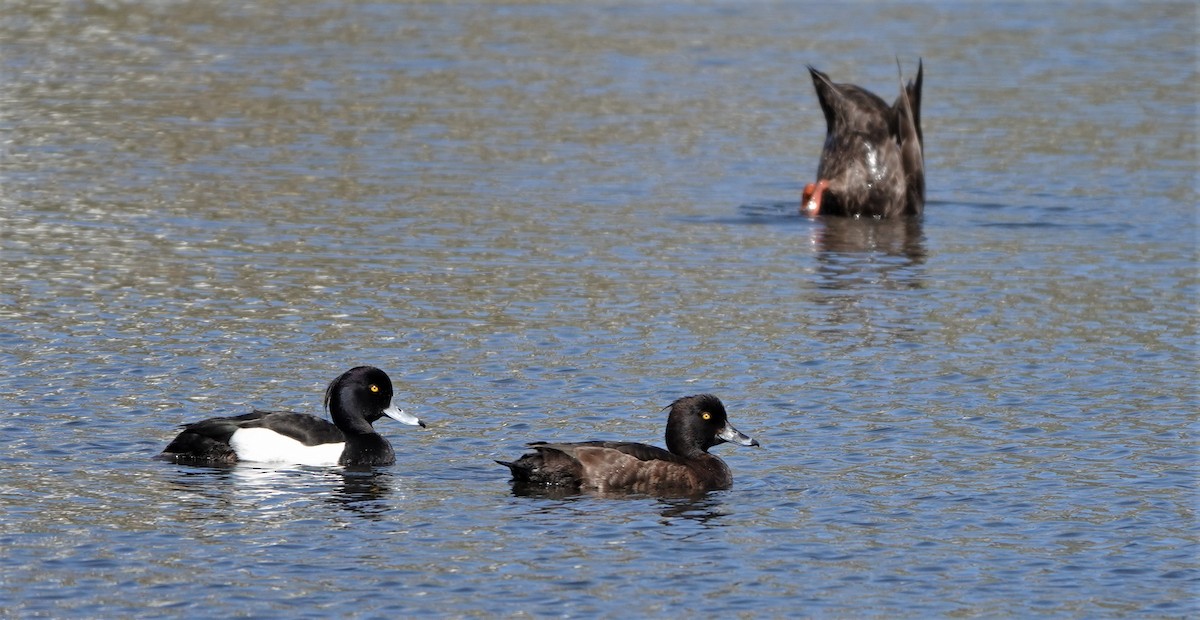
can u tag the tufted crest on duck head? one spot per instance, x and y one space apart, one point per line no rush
365 390
695 424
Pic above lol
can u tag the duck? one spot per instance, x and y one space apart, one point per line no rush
355 400
873 160
695 424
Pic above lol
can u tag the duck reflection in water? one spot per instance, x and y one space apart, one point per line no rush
364 491
898 237
856 260
270 489
703 508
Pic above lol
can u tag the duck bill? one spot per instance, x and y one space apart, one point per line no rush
733 435
403 416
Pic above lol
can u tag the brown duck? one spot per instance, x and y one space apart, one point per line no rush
873 161
695 424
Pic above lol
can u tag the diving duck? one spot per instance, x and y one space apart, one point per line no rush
873 161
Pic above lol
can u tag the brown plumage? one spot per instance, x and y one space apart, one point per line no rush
695 424
873 160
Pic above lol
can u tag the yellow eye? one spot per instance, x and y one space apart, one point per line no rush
374 388
706 415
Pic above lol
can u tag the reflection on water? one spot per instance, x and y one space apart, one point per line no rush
865 254
366 491
705 510
890 237
553 491
701 508
525 212
273 489
834 237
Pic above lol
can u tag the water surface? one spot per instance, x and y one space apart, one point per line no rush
548 221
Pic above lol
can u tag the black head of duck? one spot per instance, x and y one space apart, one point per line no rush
873 160
695 424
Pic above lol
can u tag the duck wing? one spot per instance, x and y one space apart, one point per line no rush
602 464
305 428
621 466
208 441
639 451
906 123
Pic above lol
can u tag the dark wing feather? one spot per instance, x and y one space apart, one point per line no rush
605 465
906 120
546 465
307 429
189 447
639 451
913 90
207 441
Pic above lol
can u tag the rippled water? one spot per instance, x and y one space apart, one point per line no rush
547 221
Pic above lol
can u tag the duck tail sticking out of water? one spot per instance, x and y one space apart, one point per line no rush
872 160
907 120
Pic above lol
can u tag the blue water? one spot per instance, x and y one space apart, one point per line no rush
547 222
